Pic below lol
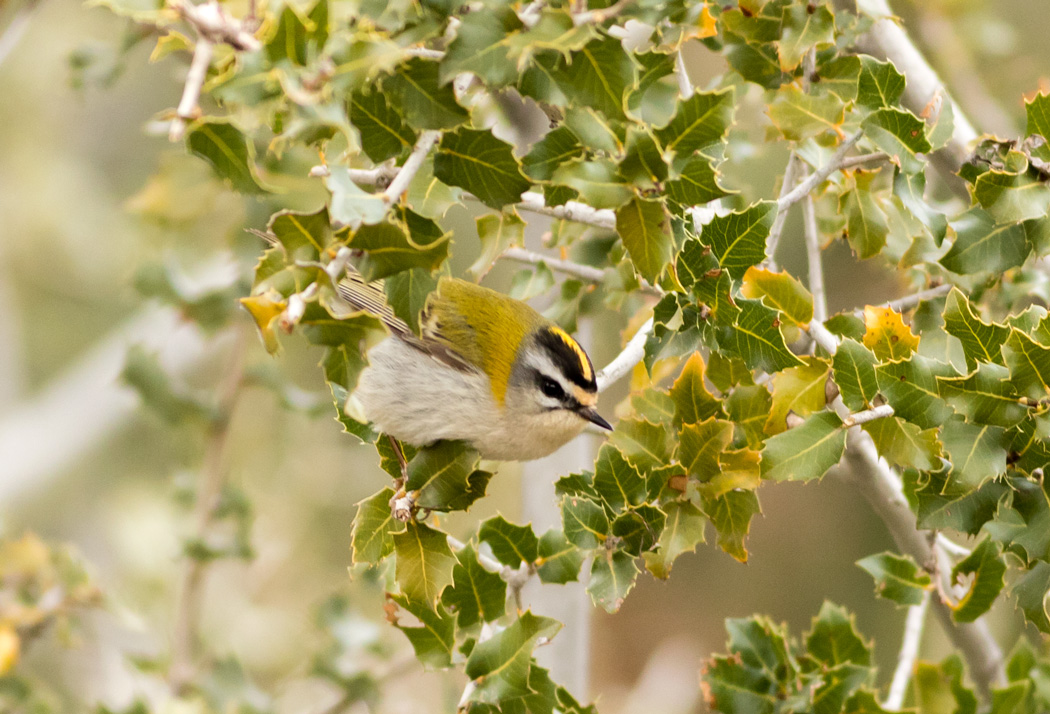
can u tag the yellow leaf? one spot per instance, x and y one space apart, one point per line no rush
10 646
266 310
797 390
738 470
886 335
707 23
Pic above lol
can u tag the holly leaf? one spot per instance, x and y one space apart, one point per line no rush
417 90
911 388
645 229
977 452
616 480
497 231
941 689
439 474
748 408
424 562
646 445
511 544
584 522
1029 364
1032 592
394 246
434 640
682 532
904 444
383 134
886 335
500 665
407 293
351 206
799 115
805 27
987 568
1011 196
612 576
780 291
853 367
483 47
700 444
834 640
697 184
866 222
798 390
701 120
755 337
598 75
897 577
482 164
900 134
550 152
805 452
731 515
692 402
738 239
981 341
984 397
222 145
476 595
372 537
559 560
880 84
983 246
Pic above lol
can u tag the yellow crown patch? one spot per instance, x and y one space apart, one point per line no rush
585 364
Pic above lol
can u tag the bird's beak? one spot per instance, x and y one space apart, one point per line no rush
591 414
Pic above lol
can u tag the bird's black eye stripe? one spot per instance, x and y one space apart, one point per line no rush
550 388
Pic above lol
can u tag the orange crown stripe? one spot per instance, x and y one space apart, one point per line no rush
585 363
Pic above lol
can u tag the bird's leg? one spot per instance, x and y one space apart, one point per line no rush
403 504
400 454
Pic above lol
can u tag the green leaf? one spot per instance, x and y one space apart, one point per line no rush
289 43
1011 196
642 165
645 444
430 197
798 115
940 690
977 452
144 373
904 444
394 246
805 27
511 544
866 222
612 577
416 89
911 190
476 595
424 562
699 121
738 239
653 100
440 474
834 640
359 61
529 283
351 206
880 84
853 368
559 560
840 76
598 75
304 236
780 291
1022 522
597 181
550 152
697 183
645 229
984 397
748 408
497 233
1032 593
500 665
616 480
731 515
755 337
692 402
734 689
911 388
799 390
1029 364
981 341
940 504
407 293
482 164
372 538
223 146
383 135
699 447
805 452
483 46
900 134
683 531
987 569
653 405
435 639
897 577
981 246
584 522
638 529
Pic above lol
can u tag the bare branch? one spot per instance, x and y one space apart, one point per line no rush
909 653
815 260
577 270
880 412
12 34
786 187
632 354
399 185
213 23
596 17
822 336
817 177
910 301
685 86
875 157
189 105
571 211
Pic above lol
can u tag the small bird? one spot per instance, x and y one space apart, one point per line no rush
486 369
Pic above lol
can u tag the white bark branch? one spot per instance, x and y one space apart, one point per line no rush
787 185
815 260
189 105
913 626
571 211
880 412
632 354
577 270
816 178
399 185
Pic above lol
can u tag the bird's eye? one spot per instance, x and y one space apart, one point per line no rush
551 389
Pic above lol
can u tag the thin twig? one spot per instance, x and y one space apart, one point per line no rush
909 653
399 185
880 412
685 86
951 547
822 336
568 267
909 301
596 17
209 497
786 187
189 105
632 354
817 177
815 260
571 211
852 161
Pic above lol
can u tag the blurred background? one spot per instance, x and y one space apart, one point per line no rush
93 203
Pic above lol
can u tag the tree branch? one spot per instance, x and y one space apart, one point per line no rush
392 194
816 178
913 627
787 185
880 412
632 354
189 104
571 211
815 260
567 267
12 34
